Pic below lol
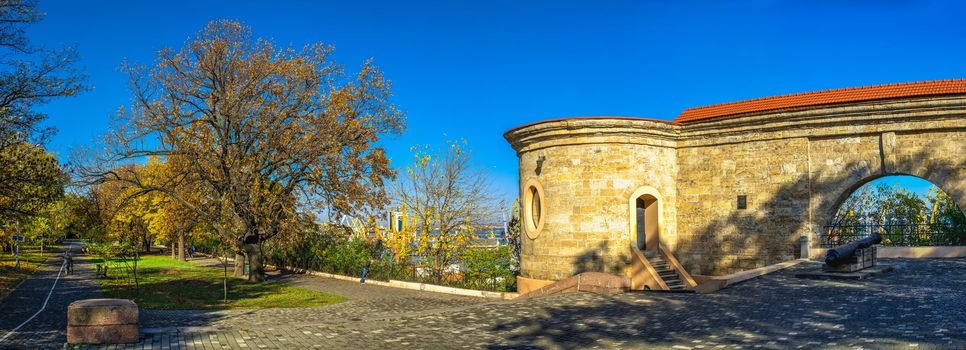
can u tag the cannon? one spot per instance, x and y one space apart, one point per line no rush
844 253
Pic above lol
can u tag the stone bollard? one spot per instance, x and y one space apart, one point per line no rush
805 249
102 321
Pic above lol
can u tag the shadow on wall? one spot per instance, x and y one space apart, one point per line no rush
768 232
597 259
765 233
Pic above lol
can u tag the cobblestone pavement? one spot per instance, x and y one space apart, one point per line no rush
366 303
49 329
922 305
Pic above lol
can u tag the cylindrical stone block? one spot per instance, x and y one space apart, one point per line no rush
102 321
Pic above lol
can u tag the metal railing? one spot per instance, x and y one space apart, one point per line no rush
896 234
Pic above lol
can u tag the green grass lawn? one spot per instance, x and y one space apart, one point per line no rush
167 283
30 260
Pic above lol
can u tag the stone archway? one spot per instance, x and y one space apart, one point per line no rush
830 215
926 154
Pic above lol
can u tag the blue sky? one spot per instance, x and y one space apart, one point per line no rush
475 69
910 183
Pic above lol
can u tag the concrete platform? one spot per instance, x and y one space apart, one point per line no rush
818 274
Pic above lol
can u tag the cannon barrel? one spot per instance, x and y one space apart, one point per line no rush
841 254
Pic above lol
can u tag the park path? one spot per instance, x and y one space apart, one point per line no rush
48 330
364 302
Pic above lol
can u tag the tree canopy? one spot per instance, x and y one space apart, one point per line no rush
30 177
256 131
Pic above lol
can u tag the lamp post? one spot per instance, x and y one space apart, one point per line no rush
43 239
16 240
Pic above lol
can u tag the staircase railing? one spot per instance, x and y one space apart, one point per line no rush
676 265
643 274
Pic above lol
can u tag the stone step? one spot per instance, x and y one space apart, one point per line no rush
665 272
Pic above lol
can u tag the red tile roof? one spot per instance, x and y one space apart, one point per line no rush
825 97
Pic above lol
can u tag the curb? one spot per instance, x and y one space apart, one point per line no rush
422 286
414 285
720 282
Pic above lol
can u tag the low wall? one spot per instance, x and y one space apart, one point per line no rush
592 282
818 253
922 252
708 284
527 285
422 286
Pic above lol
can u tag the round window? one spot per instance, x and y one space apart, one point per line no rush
533 208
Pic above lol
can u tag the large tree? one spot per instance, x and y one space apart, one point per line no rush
29 76
258 131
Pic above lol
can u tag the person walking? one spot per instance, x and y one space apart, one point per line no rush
191 251
68 262
365 271
376 251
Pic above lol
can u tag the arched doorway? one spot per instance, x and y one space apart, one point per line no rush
645 219
647 223
906 210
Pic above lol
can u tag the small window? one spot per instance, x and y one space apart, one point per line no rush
533 209
534 206
742 202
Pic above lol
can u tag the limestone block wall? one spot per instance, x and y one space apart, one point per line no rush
794 167
715 236
587 181
935 155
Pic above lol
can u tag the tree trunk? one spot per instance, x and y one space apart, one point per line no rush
256 272
137 284
224 264
174 247
239 265
181 246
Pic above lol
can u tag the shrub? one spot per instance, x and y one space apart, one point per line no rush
482 268
489 268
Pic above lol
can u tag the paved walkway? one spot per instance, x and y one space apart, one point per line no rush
365 303
48 330
920 306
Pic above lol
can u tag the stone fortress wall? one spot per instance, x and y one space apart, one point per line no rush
793 166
